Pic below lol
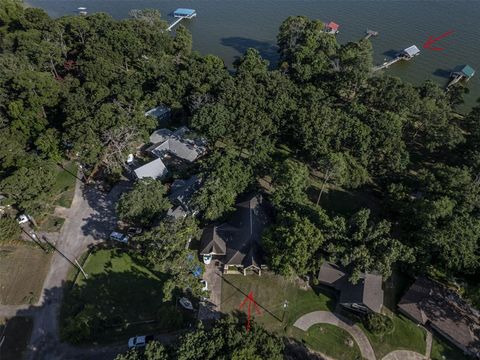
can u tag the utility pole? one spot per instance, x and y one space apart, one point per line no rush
81 269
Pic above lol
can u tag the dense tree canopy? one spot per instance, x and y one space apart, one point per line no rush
78 87
227 340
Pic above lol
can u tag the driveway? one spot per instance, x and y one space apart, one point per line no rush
326 317
210 309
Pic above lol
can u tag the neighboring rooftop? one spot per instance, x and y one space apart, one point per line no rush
468 71
367 291
411 50
333 26
167 142
430 303
182 190
182 12
154 169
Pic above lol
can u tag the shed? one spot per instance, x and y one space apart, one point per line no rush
411 51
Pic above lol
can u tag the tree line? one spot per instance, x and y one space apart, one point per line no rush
79 86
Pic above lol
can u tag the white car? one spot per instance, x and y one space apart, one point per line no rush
22 219
186 303
116 236
139 341
207 259
204 285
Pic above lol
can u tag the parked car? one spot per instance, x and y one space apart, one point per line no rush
187 304
116 236
204 285
139 341
132 231
22 219
207 259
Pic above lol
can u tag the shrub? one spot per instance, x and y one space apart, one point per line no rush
379 324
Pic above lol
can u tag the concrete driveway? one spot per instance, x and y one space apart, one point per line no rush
210 309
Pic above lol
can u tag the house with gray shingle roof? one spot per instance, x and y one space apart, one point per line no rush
364 296
433 305
166 142
155 169
181 193
237 243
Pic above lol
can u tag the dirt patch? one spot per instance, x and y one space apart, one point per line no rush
14 335
22 271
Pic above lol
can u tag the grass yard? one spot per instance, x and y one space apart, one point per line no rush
51 223
125 294
270 291
441 350
406 336
64 187
22 271
17 332
329 340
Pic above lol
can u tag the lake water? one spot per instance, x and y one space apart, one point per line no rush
228 27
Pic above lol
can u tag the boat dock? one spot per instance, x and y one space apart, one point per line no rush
181 14
464 74
407 54
370 33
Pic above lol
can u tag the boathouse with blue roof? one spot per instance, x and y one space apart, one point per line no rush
185 13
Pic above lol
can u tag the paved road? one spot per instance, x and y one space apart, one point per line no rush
327 317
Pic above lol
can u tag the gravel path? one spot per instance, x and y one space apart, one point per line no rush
327 317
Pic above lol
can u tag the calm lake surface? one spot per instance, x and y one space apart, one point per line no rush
227 28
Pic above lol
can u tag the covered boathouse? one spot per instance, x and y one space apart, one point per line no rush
184 13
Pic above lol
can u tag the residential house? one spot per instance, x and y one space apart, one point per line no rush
166 142
237 243
181 193
365 296
433 305
162 113
154 169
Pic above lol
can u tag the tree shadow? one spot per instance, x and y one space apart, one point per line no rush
102 220
267 50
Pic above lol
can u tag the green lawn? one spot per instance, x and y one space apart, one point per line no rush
406 336
64 187
123 292
329 340
441 350
270 292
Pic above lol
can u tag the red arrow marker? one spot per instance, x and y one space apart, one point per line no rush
431 40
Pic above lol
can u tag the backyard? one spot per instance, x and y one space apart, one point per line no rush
123 294
441 350
23 268
270 292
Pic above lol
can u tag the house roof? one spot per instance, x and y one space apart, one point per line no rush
166 141
177 212
331 275
154 169
182 190
213 240
412 50
367 291
429 301
240 237
332 25
468 71
158 111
